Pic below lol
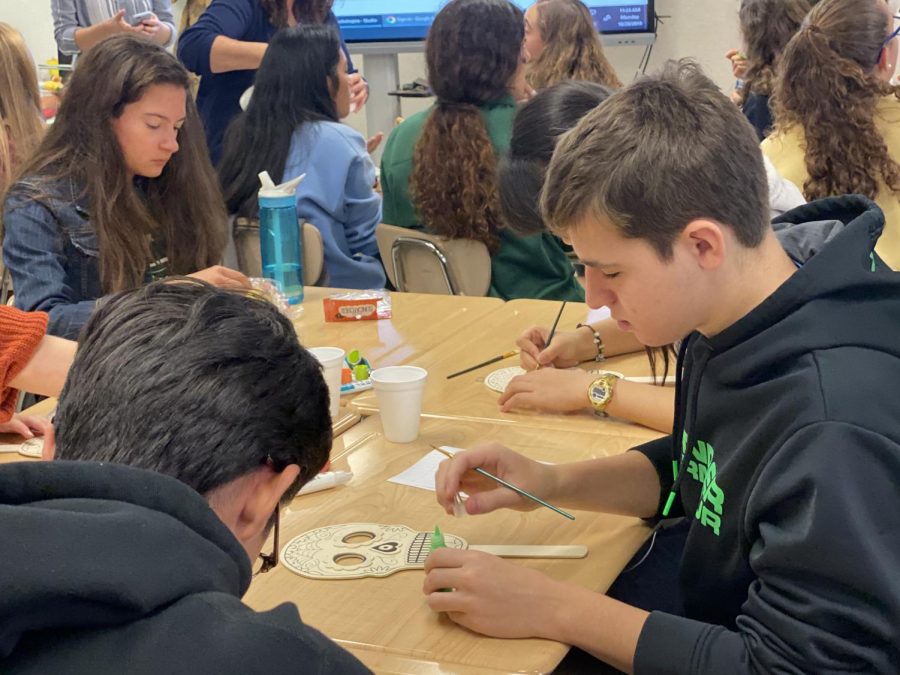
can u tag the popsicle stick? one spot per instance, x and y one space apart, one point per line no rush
525 551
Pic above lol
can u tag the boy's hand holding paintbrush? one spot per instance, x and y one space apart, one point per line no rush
486 495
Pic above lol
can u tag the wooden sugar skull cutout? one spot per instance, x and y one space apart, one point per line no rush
357 550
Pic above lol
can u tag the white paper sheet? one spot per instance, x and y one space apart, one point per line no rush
421 474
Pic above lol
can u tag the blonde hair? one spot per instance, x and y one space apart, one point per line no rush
572 47
21 122
192 11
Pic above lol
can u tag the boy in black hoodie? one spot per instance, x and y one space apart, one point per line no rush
190 413
785 454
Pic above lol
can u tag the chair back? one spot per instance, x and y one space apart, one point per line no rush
417 262
246 243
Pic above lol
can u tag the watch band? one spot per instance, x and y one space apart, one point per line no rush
598 341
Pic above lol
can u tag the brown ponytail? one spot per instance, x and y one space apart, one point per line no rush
767 26
828 86
473 52
454 185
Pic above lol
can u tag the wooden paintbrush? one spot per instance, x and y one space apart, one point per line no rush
553 329
491 360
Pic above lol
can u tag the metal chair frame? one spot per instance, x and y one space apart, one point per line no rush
427 246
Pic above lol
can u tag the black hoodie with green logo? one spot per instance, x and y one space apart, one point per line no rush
786 449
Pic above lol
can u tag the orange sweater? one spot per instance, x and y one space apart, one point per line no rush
20 334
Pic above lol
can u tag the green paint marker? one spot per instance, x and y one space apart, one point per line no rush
437 541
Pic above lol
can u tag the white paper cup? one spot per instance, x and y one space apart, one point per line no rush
332 360
399 390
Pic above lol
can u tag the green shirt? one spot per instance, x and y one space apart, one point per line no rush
525 267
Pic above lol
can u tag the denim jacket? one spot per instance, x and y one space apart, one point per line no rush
52 253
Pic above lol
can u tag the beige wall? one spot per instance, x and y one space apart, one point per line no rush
32 19
701 29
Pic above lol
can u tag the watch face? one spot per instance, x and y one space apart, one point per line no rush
600 392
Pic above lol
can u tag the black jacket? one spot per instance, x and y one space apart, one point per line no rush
757 110
111 569
792 480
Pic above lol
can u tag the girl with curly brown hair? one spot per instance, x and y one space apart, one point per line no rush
562 43
439 168
766 26
837 117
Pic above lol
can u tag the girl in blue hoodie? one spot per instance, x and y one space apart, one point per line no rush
291 127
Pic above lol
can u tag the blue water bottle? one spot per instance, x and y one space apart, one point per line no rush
279 236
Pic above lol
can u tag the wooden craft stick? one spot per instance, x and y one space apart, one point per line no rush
525 551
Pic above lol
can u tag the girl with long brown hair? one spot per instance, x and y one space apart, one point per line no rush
439 168
837 116
766 26
21 122
119 192
562 43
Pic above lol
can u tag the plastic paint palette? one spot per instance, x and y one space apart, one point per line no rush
359 369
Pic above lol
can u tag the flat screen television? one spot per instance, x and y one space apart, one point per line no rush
399 21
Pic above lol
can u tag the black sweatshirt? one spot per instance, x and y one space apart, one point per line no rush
792 480
111 569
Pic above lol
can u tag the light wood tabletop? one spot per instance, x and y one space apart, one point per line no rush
385 621
467 396
420 322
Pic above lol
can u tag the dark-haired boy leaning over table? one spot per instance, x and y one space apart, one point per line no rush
785 454
189 415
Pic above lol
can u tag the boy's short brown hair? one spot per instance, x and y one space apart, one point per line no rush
664 151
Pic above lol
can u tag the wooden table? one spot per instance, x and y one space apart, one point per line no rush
467 397
420 322
385 622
